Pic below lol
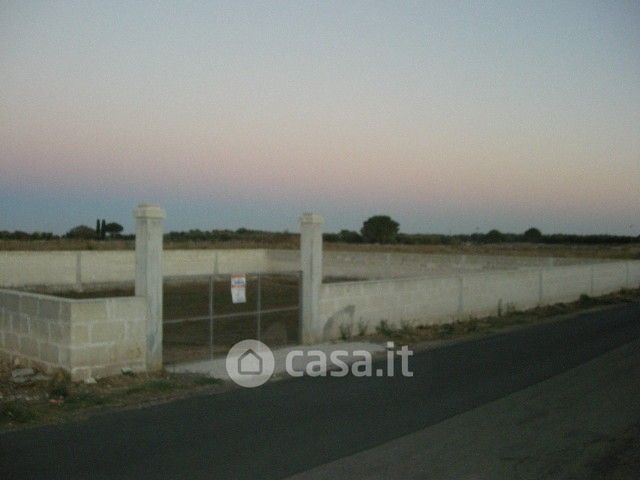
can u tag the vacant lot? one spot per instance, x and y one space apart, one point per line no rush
188 329
631 251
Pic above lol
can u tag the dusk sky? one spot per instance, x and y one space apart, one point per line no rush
448 116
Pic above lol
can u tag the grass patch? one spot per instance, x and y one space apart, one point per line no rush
59 384
16 412
85 399
153 386
385 329
206 381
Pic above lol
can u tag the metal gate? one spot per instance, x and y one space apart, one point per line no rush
202 322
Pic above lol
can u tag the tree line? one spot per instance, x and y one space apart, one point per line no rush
380 229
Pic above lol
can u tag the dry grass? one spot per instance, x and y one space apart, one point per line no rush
74 244
43 402
628 251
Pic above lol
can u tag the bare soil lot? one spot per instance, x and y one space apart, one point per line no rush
187 329
631 251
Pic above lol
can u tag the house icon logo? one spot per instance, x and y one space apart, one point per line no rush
250 363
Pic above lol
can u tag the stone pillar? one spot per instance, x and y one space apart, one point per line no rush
149 232
311 264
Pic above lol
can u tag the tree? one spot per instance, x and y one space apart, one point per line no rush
98 233
532 235
103 229
494 236
81 231
113 229
347 236
380 229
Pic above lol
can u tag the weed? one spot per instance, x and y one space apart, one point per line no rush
446 329
15 411
584 298
206 381
362 328
345 331
407 328
152 386
59 384
385 329
84 399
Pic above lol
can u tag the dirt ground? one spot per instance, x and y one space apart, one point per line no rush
53 398
631 251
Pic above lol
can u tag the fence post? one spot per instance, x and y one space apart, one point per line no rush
149 230
311 265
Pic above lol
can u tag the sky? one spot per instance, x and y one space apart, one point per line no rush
452 117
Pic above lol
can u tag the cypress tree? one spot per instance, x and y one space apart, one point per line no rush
103 230
98 229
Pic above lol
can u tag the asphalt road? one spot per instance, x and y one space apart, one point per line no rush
291 426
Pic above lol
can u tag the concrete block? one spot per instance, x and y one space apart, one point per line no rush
107 332
79 334
135 330
89 311
65 312
64 356
9 319
128 351
49 353
59 332
90 355
12 341
49 309
29 347
126 308
21 324
39 329
29 305
11 301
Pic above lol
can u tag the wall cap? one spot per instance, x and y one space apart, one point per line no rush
147 210
313 218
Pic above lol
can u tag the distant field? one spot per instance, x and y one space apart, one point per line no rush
631 251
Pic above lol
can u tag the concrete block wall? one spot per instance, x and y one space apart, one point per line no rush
33 268
377 265
430 300
74 269
87 338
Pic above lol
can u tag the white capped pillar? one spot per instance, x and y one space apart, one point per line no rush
311 265
149 232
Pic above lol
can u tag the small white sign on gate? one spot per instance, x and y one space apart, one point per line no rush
238 289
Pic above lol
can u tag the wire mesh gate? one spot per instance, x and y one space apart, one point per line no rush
201 321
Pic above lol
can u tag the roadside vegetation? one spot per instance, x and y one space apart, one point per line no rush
42 399
412 333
